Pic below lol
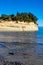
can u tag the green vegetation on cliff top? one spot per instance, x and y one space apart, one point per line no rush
26 17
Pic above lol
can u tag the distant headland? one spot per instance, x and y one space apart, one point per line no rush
18 22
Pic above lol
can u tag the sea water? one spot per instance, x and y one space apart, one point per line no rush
26 46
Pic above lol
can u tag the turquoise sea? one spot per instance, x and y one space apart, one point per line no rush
27 47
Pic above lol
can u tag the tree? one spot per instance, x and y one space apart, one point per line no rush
11 17
26 17
33 17
4 17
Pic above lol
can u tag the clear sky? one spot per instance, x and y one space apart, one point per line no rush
33 6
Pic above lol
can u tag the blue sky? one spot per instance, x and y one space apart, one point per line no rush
12 6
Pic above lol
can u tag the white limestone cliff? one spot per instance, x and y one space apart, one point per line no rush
20 26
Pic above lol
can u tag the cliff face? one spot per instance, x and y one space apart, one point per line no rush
32 27
20 26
